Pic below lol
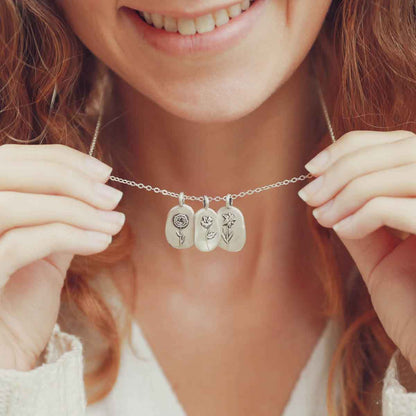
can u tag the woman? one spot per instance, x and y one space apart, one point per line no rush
311 314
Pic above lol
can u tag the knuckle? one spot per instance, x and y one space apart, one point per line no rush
347 162
352 137
372 205
376 206
354 189
58 146
347 135
345 166
406 133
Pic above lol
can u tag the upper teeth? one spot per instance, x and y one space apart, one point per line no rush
200 24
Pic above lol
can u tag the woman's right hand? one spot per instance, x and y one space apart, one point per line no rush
54 203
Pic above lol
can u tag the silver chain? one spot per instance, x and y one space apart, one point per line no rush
242 194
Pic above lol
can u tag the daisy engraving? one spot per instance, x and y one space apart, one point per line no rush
227 224
180 221
206 222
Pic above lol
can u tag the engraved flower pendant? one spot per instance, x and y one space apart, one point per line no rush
233 229
179 229
207 228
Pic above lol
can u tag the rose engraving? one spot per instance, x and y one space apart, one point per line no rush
180 221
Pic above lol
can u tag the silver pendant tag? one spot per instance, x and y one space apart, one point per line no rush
233 229
179 229
207 228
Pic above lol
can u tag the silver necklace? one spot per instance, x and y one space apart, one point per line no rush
208 229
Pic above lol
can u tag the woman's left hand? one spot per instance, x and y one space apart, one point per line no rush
365 184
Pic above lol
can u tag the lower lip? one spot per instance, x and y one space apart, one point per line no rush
220 39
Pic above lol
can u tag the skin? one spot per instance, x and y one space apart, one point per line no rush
261 306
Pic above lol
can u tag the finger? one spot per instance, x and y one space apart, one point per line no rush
389 182
22 246
58 153
22 210
350 142
357 163
47 177
397 213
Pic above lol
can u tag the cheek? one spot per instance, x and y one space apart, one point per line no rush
93 22
304 21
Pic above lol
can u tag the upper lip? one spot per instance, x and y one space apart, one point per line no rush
188 10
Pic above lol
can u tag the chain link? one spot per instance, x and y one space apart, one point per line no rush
242 194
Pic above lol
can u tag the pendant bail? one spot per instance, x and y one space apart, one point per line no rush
181 199
206 202
228 201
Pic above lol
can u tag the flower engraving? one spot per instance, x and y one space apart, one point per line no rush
180 221
206 222
228 222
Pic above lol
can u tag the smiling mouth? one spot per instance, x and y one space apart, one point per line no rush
200 24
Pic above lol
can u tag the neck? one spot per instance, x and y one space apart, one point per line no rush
217 158
269 144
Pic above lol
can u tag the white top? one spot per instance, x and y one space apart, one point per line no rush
143 389
56 386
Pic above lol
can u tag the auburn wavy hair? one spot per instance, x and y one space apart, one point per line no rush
366 60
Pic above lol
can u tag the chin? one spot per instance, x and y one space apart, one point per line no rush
222 102
211 111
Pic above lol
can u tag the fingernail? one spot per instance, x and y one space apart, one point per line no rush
98 238
97 168
115 217
343 224
108 192
311 188
302 195
318 162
